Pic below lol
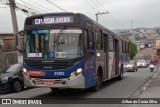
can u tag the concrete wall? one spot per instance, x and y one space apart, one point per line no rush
8 41
8 53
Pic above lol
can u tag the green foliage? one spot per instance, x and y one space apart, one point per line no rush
132 47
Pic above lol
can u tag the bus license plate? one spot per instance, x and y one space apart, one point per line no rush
48 82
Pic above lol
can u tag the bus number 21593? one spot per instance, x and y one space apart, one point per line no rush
58 73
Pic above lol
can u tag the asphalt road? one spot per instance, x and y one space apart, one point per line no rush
131 86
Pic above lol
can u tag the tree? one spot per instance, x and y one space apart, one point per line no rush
132 47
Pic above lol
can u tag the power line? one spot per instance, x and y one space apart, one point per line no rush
91 6
102 11
4 7
115 24
28 8
3 11
96 5
36 3
27 4
110 13
55 5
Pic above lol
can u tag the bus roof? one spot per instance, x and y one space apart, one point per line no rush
83 17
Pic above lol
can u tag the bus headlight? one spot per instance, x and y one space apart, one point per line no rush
79 70
25 72
75 73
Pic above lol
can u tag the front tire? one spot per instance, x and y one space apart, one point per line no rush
17 86
98 82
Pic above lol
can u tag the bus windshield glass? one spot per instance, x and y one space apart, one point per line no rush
54 43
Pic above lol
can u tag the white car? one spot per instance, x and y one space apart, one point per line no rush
142 63
131 66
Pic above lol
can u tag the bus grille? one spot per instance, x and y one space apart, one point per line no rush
40 81
50 65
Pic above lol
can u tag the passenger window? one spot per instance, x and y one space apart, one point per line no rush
111 42
99 43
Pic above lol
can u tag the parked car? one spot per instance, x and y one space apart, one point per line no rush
142 63
12 78
131 66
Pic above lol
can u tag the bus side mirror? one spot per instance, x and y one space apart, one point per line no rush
19 42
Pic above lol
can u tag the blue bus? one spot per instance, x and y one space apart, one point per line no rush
68 50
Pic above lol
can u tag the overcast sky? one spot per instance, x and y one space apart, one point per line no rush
123 14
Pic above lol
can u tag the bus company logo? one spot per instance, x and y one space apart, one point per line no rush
47 67
6 101
47 61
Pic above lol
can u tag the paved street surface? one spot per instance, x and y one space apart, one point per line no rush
132 86
151 91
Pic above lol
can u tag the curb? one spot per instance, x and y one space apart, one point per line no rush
150 80
144 86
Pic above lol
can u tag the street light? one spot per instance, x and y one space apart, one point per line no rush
99 14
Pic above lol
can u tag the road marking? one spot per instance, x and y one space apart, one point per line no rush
154 75
147 84
144 88
149 81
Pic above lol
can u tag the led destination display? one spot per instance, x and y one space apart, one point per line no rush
53 20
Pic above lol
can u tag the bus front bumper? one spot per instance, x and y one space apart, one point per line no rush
77 82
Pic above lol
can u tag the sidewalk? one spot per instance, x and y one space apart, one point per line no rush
151 90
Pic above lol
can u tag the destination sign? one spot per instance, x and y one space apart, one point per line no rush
53 20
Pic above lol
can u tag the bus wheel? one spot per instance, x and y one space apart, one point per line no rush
120 77
98 82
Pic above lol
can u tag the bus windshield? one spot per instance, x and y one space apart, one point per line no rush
54 43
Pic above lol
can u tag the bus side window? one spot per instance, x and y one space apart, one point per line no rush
111 43
90 40
85 39
124 47
99 40
120 45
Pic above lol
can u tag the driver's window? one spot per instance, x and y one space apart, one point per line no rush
89 39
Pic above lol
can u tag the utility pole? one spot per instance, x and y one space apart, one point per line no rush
99 14
13 16
15 26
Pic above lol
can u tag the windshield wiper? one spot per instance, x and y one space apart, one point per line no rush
57 37
60 32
